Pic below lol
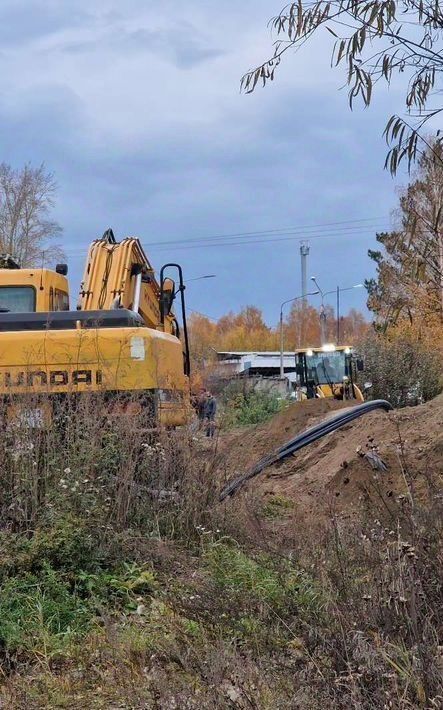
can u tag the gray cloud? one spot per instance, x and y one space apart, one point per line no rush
181 45
22 22
139 144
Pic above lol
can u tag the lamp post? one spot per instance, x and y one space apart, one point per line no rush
322 312
198 278
290 300
338 291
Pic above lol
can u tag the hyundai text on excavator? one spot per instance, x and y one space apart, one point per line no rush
329 371
123 338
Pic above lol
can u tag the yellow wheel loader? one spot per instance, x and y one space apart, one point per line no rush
123 341
329 371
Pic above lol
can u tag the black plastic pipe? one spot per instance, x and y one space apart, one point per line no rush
307 437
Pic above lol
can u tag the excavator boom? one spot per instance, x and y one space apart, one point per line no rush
119 275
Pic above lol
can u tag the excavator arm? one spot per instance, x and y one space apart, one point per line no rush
120 275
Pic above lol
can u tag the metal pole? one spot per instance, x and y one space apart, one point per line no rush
180 290
282 368
322 324
291 300
338 315
304 253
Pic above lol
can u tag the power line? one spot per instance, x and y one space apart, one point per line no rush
357 231
274 240
302 230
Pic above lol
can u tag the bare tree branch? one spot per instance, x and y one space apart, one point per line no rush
26 230
408 36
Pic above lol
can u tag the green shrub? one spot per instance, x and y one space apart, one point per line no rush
119 587
64 544
403 371
247 407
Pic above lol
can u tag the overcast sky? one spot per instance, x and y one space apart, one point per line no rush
136 108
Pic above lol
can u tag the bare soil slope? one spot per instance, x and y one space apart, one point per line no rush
334 474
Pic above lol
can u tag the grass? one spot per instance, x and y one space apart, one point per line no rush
114 596
277 506
282 588
40 615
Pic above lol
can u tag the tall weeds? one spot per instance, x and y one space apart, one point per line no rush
120 571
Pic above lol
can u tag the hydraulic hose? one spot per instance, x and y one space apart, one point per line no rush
307 437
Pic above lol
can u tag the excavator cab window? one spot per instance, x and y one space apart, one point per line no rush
61 300
17 299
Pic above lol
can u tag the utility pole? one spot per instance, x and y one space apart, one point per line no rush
282 365
304 253
338 315
337 291
322 312
322 324
290 300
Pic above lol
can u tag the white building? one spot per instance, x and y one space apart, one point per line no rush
256 364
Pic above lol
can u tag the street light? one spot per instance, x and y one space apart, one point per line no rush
290 300
198 278
322 312
338 291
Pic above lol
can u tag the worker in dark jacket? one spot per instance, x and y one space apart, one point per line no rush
210 411
200 408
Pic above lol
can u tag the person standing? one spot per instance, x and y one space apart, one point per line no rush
209 413
201 405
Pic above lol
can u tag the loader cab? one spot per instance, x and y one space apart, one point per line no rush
33 290
329 371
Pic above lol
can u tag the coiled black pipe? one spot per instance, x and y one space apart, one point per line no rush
304 439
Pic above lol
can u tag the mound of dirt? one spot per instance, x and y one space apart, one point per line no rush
344 471
242 448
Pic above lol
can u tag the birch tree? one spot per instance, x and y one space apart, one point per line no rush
27 231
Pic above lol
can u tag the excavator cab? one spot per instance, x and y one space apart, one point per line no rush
32 290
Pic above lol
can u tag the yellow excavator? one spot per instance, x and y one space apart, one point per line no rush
329 371
123 338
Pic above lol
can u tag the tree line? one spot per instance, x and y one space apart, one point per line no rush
247 330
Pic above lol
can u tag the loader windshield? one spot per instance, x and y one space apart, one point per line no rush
17 299
324 368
